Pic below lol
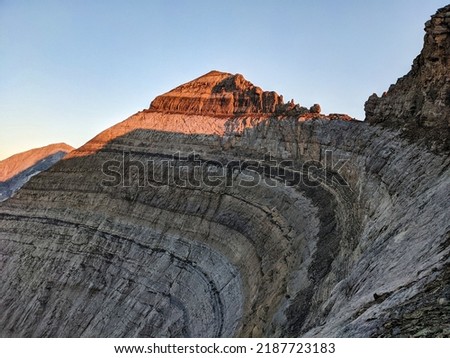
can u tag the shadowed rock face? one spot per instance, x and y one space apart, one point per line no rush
345 232
15 171
420 101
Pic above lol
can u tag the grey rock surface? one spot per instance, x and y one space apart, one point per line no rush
315 258
303 225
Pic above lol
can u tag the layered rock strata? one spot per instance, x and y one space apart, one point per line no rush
216 223
83 256
223 94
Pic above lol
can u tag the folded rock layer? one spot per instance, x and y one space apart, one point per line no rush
206 217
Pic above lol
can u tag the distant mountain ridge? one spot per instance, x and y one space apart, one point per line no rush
16 170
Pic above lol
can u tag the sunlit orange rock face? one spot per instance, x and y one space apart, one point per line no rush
218 93
217 103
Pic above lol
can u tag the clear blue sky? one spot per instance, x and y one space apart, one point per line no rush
71 68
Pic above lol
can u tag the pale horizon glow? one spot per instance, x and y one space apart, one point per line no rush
69 70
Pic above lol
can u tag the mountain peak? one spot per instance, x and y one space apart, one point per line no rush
218 93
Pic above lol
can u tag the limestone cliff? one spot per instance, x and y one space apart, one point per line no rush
419 102
215 214
16 170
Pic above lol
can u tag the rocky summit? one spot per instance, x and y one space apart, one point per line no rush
222 211
224 94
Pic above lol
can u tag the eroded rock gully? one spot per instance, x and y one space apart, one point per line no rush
349 238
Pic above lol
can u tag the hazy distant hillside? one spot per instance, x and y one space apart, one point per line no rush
16 170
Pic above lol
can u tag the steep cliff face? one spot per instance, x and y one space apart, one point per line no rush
201 218
420 101
224 94
15 171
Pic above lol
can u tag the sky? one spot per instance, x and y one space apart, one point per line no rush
72 68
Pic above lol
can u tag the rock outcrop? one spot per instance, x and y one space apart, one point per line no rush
223 94
419 102
16 170
200 218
